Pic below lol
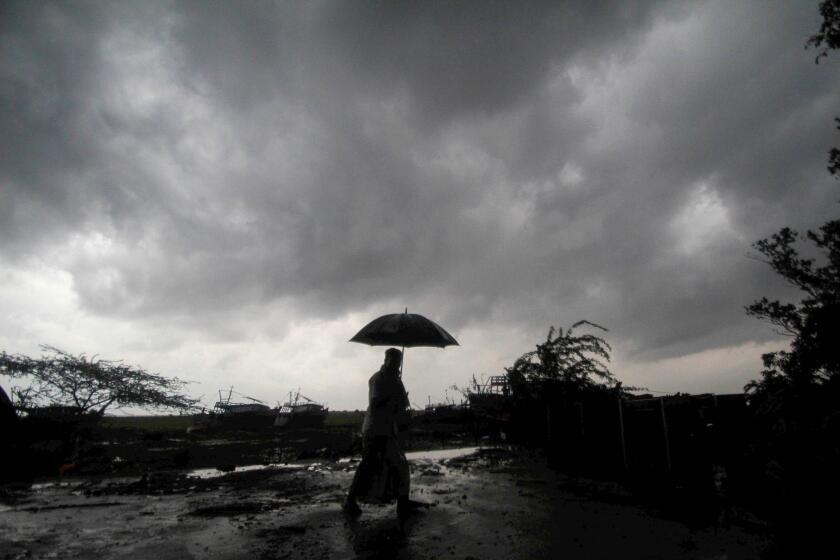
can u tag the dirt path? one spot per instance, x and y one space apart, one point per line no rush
484 507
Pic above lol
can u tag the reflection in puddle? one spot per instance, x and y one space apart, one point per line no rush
215 473
431 455
440 454
40 486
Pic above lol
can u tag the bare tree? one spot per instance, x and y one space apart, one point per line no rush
92 384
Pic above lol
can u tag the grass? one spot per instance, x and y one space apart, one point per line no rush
338 418
148 423
345 418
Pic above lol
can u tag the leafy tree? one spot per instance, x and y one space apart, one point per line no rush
544 381
567 357
834 157
813 323
91 384
828 37
797 399
814 356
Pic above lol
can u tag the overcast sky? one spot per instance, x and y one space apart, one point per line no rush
227 192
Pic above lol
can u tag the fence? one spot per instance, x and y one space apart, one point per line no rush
682 436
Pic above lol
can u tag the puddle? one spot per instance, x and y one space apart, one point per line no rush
429 455
216 442
41 486
440 454
209 473
215 473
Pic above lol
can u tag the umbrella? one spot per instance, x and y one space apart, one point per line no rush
404 329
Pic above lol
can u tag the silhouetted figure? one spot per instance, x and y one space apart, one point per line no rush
8 416
14 465
383 474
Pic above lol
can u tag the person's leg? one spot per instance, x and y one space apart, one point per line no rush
359 478
397 462
374 450
401 466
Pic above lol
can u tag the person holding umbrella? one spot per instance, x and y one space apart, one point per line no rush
383 473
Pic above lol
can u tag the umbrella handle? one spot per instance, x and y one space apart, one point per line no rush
402 359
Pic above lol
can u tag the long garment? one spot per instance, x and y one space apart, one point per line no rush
383 473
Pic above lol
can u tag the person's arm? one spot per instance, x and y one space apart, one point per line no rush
380 401
379 393
401 396
403 408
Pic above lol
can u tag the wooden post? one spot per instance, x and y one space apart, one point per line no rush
665 433
621 429
582 426
548 424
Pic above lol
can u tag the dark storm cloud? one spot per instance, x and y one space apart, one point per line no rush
48 59
473 58
448 58
530 164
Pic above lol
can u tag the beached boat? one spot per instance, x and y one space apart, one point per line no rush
300 412
227 414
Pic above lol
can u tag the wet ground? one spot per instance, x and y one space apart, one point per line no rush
484 505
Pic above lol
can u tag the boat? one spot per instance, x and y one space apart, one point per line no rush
300 412
253 415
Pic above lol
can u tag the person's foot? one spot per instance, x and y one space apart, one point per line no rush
351 508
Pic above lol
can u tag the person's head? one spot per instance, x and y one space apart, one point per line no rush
393 359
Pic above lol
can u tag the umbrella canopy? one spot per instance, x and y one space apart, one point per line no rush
404 329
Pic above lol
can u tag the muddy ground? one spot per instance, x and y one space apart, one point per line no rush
485 505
